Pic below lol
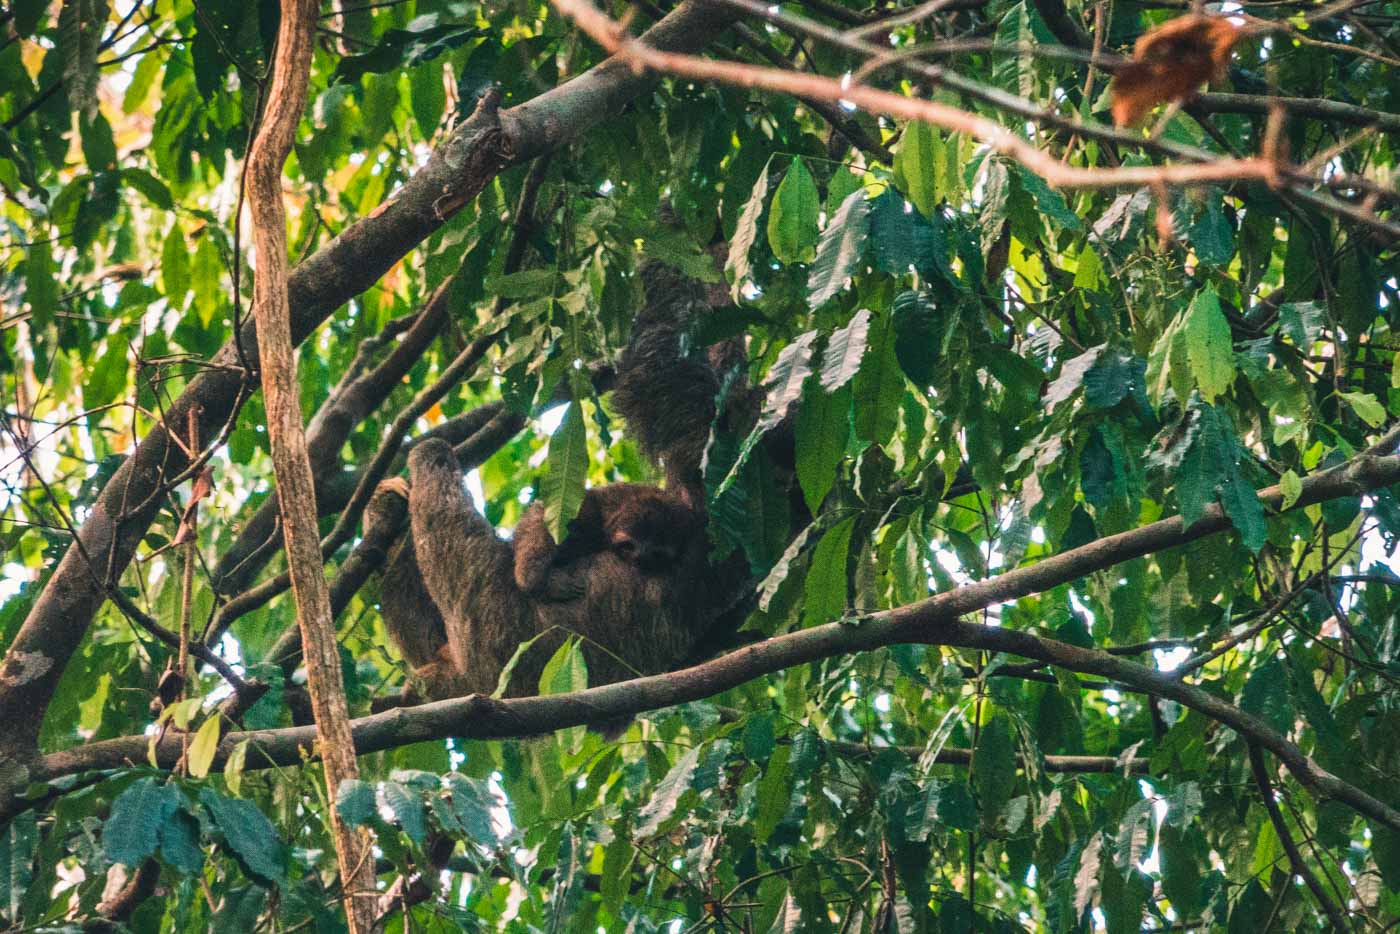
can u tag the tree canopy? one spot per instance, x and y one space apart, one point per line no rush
1071 609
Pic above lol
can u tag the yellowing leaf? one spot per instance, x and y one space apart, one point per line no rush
206 743
1291 485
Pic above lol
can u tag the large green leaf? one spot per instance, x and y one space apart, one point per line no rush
132 832
1208 345
562 487
792 219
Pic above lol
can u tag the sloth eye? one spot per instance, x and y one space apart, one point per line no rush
626 548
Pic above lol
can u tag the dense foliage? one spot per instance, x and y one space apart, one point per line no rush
979 371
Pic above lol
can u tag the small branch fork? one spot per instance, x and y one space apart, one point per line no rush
1268 168
933 621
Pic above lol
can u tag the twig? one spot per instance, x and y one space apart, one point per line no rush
1290 846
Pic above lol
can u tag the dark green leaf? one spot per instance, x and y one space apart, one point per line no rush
132 832
249 834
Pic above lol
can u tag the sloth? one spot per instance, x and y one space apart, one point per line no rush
631 577
458 600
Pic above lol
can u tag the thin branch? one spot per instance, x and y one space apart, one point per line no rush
610 35
1290 846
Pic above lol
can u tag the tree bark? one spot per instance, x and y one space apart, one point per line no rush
287 437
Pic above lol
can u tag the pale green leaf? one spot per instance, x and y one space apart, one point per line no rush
738 267
1208 346
839 250
844 351
566 469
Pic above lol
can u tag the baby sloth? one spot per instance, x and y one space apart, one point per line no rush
458 600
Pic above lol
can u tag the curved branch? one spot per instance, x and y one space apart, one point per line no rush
934 621
1290 846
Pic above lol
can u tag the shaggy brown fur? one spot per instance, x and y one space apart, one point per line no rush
627 579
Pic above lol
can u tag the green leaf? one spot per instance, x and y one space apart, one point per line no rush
775 578
109 374
615 884
774 794
355 802
408 810
842 185
151 187
1301 323
428 97
474 806
904 239
918 165
1211 234
840 249
1088 274
1048 202
1208 346
179 842
823 427
1071 377
793 217
662 804
738 267
1365 405
879 386
525 284
562 486
175 267
994 767
1182 864
99 149
132 832
844 351
41 284
1291 485
206 743
1242 505
250 836
205 277
566 672
921 338
1266 696
827 588
233 766
503 682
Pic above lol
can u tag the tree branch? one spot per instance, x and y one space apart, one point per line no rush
933 621
1299 866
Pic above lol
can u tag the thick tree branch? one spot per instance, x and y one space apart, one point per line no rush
459 168
934 621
